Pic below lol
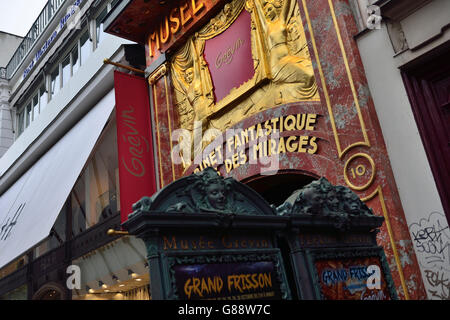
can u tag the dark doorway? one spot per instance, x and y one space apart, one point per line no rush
52 291
428 86
277 188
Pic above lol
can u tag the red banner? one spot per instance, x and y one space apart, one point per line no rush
134 141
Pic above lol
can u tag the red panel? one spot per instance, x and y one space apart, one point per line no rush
229 56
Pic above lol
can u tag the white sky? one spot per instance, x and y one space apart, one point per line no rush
17 16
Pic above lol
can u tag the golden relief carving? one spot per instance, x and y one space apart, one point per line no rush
281 60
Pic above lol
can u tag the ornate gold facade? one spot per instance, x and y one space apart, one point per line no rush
281 61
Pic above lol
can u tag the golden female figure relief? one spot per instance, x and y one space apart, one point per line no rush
280 57
280 26
193 87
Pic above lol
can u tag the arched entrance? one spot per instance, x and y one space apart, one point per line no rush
50 291
275 189
203 232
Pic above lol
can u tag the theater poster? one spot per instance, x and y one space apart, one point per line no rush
227 281
352 279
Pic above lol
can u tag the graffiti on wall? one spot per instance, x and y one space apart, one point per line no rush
431 237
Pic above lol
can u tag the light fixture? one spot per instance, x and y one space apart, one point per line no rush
114 277
103 285
88 289
146 264
132 274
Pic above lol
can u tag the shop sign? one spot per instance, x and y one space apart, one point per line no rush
62 23
227 281
352 279
322 240
179 20
134 141
272 137
174 243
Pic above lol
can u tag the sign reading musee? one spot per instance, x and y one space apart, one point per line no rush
180 19
227 281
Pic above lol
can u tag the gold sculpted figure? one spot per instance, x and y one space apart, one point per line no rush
281 60
192 81
193 88
279 23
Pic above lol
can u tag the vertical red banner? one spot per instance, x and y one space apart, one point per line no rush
134 141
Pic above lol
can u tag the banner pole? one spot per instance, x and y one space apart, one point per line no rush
107 61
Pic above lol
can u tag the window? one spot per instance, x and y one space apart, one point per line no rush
32 109
85 47
75 59
99 22
57 235
35 103
99 25
20 125
113 3
54 82
65 70
94 196
70 64
28 115
42 98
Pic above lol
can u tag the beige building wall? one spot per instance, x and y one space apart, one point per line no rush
403 36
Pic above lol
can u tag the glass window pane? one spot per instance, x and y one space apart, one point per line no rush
66 70
55 84
28 115
21 121
99 24
78 195
75 60
85 47
113 3
35 107
58 232
94 197
42 98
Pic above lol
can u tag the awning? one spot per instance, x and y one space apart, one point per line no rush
116 258
29 208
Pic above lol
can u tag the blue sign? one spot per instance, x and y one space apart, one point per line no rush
50 40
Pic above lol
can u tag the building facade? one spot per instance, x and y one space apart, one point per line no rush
59 87
274 93
408 80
